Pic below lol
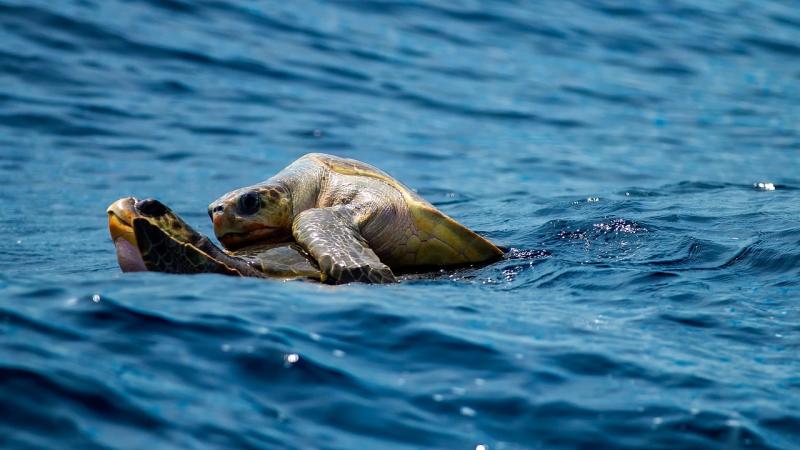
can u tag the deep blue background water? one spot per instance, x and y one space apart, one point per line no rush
622 139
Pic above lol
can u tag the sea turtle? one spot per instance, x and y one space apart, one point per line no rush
355 220
149 236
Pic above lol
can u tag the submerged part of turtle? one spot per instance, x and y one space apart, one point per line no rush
150 236
356 221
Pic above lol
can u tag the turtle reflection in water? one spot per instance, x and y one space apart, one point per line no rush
347 219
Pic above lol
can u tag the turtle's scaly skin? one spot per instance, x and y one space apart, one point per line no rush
354 219
163 242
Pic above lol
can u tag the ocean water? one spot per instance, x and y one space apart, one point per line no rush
639 158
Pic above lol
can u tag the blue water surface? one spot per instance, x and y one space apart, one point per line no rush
652 299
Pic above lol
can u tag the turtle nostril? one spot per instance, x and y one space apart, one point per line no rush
150 207
214 210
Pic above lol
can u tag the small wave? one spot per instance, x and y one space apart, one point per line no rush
773 45
61 389
773 254
52 124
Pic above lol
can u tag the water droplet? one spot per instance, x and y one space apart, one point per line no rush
438 397
481 447
657 421
262 330
339 353
467 411
458 390
733 423
593 199
96 298
292 358
315 337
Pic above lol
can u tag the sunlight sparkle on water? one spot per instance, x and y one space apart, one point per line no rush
764 186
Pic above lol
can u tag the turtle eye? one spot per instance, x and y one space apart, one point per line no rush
150 207
249 203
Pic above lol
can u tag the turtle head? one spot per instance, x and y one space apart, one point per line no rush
123 216
252 215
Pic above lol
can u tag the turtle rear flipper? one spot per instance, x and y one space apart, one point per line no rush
163 253
286 260
331 236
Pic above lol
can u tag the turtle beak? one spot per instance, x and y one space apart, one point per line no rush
222 218
120 224
120 219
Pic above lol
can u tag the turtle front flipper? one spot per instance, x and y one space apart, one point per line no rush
331 236
163 253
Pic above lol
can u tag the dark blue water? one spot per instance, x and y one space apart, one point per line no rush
653 301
